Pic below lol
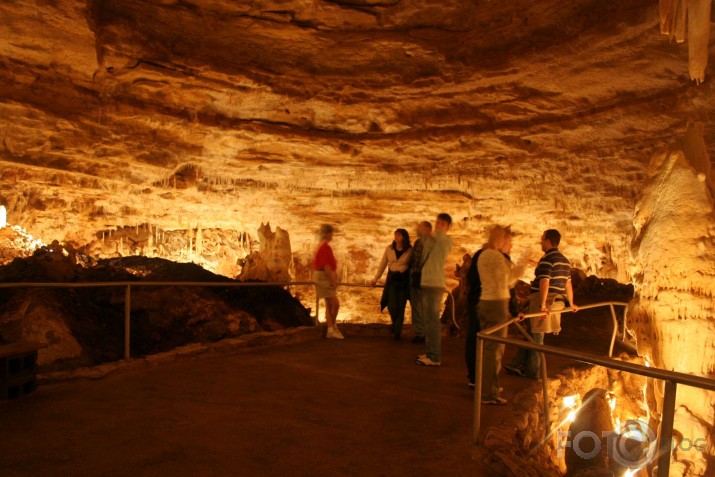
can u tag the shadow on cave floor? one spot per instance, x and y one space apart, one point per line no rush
353 408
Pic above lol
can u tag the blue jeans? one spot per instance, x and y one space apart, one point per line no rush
492 312
396 302
528 361
418 323
431 302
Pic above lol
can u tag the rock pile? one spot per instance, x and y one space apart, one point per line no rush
84 326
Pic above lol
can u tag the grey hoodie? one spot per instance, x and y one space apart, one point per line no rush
434 256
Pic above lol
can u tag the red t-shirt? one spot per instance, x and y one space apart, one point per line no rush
324 256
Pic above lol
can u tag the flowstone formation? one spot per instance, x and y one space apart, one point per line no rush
673 314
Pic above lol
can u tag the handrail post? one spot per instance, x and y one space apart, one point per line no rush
127 321
666 428
478 391
625 321
545 391
615 330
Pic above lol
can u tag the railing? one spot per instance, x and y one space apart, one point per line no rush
671 378
128 298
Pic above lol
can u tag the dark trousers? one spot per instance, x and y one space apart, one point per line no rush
396 303
528 361
470 349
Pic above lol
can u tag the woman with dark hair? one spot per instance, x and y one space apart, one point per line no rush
397 286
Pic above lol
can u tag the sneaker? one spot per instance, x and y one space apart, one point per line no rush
425 361
500 401
418 339
513 370
334 334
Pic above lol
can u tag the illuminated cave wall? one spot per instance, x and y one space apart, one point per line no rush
673 268
167 118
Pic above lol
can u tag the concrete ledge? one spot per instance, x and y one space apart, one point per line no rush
227 346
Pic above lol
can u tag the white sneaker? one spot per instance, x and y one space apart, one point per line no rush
334 334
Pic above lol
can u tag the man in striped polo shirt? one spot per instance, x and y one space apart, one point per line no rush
550 290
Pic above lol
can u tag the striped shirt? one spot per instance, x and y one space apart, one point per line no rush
557 268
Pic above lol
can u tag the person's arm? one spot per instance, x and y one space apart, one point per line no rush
544 294
569 295
380 269
543 274
402 263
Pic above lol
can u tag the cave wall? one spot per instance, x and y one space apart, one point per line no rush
673 268
223 115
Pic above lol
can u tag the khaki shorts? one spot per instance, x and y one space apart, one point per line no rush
323 287
552 323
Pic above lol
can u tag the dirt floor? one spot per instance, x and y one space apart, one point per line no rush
353 408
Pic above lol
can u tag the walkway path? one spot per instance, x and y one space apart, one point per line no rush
321 408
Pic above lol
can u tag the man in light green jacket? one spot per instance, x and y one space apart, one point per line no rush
434 256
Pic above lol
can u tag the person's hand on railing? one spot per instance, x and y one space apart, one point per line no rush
521 317
574 308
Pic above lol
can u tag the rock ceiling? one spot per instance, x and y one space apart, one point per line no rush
371 114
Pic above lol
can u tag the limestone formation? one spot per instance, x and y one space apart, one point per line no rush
675 15
273 259
673 268
593 419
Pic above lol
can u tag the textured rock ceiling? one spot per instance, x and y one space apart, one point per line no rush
369 113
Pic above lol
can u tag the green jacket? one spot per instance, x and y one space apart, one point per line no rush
434 256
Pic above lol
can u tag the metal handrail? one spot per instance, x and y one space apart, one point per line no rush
129 284
671 378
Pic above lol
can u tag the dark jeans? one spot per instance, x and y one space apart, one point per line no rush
492 313
396 303
528 361
470 350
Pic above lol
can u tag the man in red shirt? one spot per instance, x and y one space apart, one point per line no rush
326 280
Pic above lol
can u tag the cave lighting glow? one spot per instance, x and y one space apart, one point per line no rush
572 403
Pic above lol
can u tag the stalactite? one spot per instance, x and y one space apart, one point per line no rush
673 15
